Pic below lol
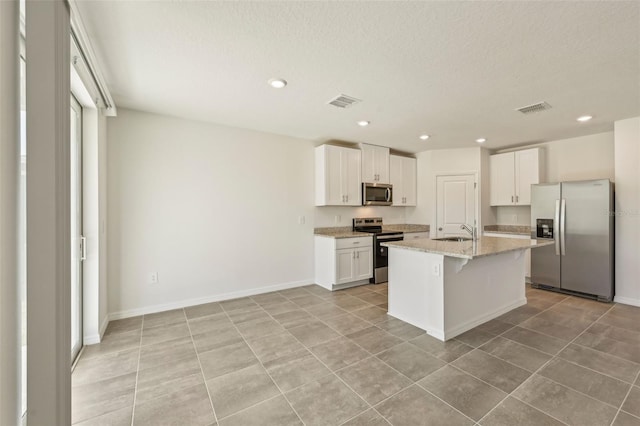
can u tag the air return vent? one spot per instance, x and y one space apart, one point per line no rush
343 101
530 109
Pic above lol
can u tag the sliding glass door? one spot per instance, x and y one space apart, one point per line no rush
78 248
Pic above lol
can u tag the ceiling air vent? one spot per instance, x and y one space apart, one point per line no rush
530 109
343 101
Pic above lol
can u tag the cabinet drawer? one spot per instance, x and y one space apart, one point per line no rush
415 235
342 243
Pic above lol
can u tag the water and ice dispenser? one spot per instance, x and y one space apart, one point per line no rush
544 228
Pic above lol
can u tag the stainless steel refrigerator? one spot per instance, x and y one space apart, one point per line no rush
578 216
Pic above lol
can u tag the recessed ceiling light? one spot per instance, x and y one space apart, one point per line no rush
277 83
584 118
481 140
363 123
424 137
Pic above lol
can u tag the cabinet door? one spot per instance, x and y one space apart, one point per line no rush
333 175
396 177
409 181
351 161
345 266
363 263
502 177
527 172
368 163
382 164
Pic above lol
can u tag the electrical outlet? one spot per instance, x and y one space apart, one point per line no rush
301 220
436 269
514 218
337 219
153 278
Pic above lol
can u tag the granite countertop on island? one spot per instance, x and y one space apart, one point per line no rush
348 232
485 246
508 229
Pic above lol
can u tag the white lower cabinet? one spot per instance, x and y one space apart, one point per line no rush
343 262
527 259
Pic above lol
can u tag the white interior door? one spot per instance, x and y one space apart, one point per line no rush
455 204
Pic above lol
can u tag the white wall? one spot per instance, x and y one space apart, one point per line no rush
432 163
212 209
581 158
627 177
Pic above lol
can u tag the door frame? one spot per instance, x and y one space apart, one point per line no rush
476 199
78 108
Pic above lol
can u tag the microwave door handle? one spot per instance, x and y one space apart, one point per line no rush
388 195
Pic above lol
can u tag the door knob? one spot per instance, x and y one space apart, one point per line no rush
439 229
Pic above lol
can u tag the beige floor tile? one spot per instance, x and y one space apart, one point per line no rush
576 409
416 407
259 328
209 323
166 352
226 359
467 394
269 299
294 292
552 328
512 412
339 353
164 333
368 418
374 339
114 342
214 339
241 389
124 325
524 357
624 419
327 401
326 311
628 351
632 403
317 290
495 326
294 318
275 346
251 314
313 333
275 411
188 407
120 417
308 301
400 329
373 380
492 370
373 298
446 351
601 362
242 303
475 337
520 314
535 340
164 318
411 361
351 303
102 397
168 378
295 369
615 333
279 308
203 310
347 324
105 367
373 314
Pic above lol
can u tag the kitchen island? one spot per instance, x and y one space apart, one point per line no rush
449 287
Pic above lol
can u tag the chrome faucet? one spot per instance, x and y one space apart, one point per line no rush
473 231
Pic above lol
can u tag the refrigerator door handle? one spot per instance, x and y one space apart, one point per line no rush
556 227
563 223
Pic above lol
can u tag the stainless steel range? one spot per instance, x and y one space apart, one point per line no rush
373 225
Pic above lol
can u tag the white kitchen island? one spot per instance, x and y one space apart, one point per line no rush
447 287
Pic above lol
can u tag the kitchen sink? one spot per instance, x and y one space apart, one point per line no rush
457 239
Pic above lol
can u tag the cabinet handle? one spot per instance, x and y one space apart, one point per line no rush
516 198
512 198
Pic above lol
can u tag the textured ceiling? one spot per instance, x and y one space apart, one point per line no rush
454 70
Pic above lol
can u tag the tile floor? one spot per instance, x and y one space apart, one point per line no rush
313 357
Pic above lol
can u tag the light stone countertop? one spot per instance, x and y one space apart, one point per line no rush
339 232
406 228
508 229
485 246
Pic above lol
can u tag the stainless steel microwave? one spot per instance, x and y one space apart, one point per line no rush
377 194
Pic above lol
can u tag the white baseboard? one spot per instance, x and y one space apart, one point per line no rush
93 339
468 325
208 299
627 301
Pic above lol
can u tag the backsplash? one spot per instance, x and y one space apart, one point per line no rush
326 216
514 215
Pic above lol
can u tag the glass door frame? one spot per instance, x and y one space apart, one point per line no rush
78 245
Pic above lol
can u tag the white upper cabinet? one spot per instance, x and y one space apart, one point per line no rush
375 163
403 176
337 176
512 175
